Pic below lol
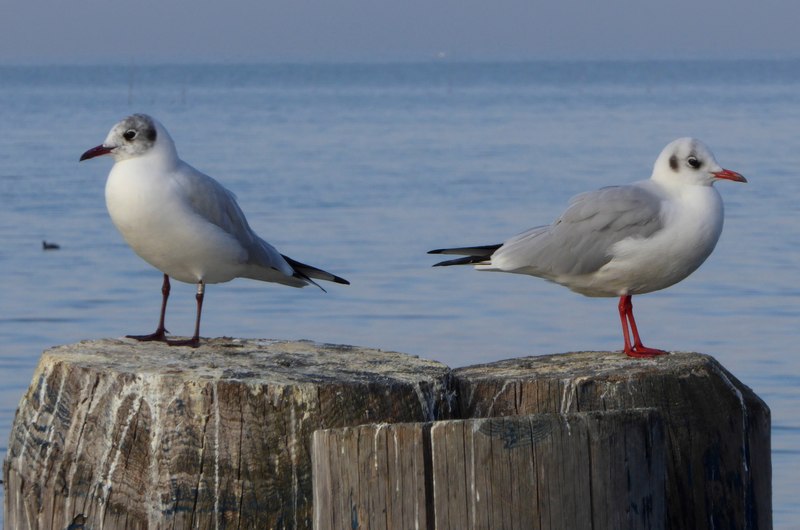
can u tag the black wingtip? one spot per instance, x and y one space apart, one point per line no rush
333 279
467 260
472 255
306 272
338 279
479 250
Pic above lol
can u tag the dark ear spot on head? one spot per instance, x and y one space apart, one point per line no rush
673 162
151 134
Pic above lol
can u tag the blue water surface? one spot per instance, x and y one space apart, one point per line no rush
362 168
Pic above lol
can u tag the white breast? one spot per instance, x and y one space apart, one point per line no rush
151 211
692 226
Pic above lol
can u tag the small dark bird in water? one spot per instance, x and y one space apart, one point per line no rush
50 246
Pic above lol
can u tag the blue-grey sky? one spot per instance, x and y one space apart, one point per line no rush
377 30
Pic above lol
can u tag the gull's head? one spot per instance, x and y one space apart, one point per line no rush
690 161
135 136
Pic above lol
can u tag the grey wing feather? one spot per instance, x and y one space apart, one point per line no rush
218 205
582 239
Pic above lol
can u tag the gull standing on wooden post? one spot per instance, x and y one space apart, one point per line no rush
623 240
183 222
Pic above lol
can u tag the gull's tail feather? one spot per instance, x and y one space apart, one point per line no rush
473 255
309 273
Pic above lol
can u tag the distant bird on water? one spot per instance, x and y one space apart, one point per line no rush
623 240
183 222
50 246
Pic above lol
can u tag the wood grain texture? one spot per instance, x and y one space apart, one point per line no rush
371 476
536 472
719 471
141 435
125 435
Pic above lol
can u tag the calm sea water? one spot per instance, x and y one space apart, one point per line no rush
360 169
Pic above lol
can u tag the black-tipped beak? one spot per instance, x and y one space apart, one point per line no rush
95 151
727 174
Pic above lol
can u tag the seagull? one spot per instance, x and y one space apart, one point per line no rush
623 240
183 222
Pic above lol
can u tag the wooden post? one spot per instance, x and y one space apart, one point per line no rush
719 471
126 435
372 476
537 472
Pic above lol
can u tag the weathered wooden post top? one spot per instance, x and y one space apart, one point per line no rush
143 435
115 434
717 430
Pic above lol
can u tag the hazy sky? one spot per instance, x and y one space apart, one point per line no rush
288 30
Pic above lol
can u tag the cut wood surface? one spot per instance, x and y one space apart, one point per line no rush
719 472
603 470
142 435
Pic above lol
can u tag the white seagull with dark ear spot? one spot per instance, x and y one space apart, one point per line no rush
183 222
623 240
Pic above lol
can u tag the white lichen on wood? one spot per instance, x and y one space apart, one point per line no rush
145 435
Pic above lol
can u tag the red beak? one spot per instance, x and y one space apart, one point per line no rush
95 151
727 174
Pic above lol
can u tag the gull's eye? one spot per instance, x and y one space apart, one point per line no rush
129 135
693 162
